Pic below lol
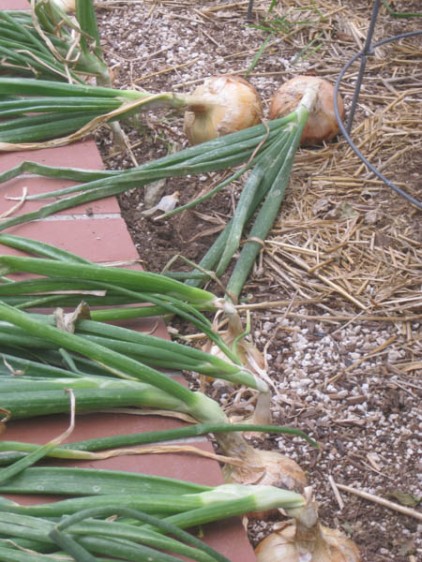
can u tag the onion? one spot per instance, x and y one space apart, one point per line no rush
221 105
304 539
264 467
259 467
322 123
67 6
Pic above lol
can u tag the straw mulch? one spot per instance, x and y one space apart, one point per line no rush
335 297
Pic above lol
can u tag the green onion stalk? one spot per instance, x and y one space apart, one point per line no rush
90 282
142 510
45 49
41 249
70 31
69 275
50 43
217 154
264 191
127 498
180 508
174 395
129 279
25 54
104 447
122 514
41 113
148 350
101 493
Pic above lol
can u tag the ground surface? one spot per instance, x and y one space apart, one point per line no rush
335 299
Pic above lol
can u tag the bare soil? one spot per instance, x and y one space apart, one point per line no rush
335 298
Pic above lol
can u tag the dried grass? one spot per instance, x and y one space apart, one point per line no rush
343 236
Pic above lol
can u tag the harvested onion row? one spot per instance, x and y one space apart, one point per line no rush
113 349
141 386
310 100
309 121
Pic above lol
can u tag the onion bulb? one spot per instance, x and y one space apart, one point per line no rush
221 105
304 539
264 467
67 6
258 466
322 123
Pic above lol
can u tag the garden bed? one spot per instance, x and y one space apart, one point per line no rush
335 298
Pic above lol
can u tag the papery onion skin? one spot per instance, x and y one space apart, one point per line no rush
322 123
329 546
68 6
265 467
226 104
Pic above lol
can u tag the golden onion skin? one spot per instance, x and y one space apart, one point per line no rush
322 123
226 104
328 545
267 467
68 6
